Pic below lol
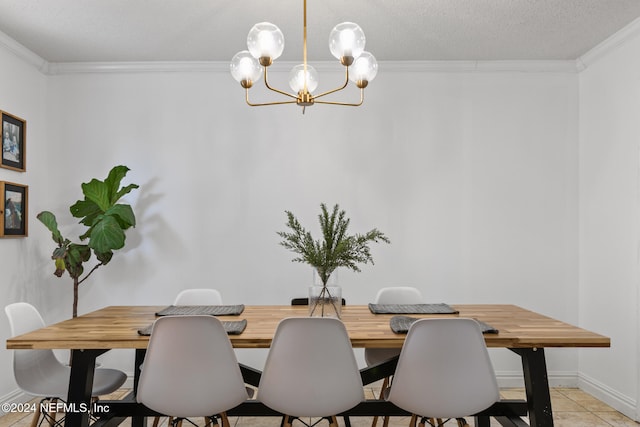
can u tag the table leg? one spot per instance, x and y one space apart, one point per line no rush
482 421
80 385
536 384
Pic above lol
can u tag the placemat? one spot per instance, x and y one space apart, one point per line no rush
235 327
400 325
412 309
211 310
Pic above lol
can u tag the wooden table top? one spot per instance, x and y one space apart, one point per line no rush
117 326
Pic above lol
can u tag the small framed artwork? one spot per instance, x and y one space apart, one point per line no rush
14 140
14 208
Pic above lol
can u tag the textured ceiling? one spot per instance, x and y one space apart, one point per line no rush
214 30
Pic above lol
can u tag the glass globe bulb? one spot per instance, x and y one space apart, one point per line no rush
364 69
297 78
346 39
265 40
245 68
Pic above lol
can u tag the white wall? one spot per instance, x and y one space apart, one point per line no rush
609 229
472 176
22 93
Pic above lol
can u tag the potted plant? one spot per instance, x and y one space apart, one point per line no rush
106 220
335 249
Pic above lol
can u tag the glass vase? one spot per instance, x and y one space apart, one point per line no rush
325 301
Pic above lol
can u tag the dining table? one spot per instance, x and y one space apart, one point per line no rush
522 331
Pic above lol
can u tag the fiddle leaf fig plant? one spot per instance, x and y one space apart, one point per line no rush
106 220
335 249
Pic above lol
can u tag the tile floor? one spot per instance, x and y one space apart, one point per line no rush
571 408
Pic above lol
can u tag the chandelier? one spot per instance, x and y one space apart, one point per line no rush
265 44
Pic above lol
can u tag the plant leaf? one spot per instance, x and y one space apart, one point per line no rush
104 257
97 192
113 183
78 253
49 220
123 214
124 190
106 235
87 210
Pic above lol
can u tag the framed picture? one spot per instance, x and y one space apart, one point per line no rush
14 139
14 208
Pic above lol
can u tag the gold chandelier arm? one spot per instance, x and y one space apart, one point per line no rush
266 83
348 104
346 82
262 104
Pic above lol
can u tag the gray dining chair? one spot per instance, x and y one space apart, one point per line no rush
39 373
310 370
190 370
444 372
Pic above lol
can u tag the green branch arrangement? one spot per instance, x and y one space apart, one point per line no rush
335 249
106 220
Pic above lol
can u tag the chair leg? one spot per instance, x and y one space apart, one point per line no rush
462 422
52 413
435 422
286 421
334 421
385 384
224 419
413 421
36 415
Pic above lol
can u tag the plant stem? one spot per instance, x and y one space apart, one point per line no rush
325 294
89 273
75 297
76 284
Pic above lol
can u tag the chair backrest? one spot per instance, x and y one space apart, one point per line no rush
34 369
190 369
198 297
444 370
310 370
399 295
391 295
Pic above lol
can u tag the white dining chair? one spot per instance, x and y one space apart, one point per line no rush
195 296
39 373
373 356
190 370
310 370
444 371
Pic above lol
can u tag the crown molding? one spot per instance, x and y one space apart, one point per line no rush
608 45
56 68
523 66
324 66
23 53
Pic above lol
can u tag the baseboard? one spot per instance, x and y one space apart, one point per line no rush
15 397
618 401
515 379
